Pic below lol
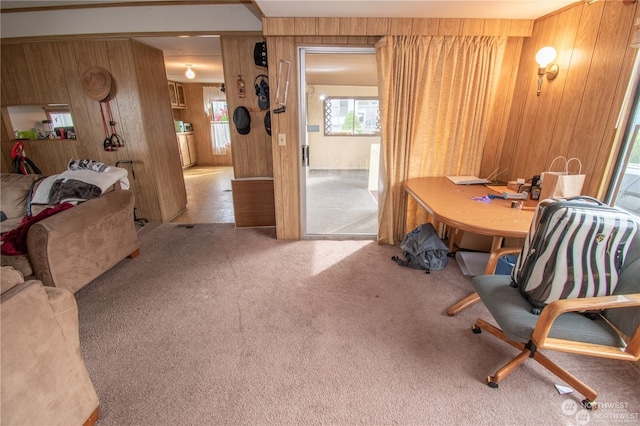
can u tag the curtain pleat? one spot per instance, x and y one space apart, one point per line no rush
436 96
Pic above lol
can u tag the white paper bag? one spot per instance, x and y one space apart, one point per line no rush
562 184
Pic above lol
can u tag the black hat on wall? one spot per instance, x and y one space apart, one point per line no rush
242 120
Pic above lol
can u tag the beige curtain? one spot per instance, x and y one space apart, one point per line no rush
436 96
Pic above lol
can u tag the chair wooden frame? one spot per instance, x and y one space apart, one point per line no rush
540 340
490 269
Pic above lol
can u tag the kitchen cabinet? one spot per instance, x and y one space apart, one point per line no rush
173 96
182 103
187 148
176 95
191 144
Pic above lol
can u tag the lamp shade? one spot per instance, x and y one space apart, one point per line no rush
190 74
545 56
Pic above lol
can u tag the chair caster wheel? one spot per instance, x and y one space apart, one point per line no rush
476 329
589 405
491 383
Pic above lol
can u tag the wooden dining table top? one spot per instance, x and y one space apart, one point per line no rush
452 204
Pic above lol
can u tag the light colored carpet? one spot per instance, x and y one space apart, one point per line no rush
213 325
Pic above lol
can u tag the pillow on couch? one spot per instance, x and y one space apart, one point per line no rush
13 198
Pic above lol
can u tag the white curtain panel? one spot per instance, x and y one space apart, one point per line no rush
220 138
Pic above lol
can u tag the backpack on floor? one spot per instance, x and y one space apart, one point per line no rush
423 249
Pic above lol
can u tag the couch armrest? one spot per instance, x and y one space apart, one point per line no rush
71 248
44 378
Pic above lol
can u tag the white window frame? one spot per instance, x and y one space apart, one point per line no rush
628 127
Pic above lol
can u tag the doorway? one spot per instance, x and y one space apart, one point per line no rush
340 142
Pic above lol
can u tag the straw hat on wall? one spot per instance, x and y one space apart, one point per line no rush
96 83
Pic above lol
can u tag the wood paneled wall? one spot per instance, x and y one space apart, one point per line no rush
42 73
194 114
252 154
395 26
286 164
286 159
158 150
575 116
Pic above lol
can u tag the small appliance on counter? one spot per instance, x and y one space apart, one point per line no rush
179 125
188 127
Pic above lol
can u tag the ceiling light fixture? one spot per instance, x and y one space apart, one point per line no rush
544 57
189 73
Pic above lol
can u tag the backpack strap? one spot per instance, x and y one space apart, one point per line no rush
24 166
30 166
408 264
30 195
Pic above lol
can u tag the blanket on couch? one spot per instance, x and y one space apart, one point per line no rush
50 186
14 242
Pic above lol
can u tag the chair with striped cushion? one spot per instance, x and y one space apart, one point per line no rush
614 332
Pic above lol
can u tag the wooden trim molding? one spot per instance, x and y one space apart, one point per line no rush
93 418
119 36
635 41
123 4
396 26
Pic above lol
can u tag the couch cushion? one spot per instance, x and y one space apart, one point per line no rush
13 194
9 224
10 278
20 262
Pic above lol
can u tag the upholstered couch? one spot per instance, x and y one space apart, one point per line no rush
74 246
44 378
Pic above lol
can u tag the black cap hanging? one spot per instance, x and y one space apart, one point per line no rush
242 120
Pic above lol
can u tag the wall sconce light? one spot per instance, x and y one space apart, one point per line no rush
189 73
544 57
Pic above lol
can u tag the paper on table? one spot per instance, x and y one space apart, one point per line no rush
467 180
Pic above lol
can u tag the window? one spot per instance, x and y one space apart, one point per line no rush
624 190
60 118
628 193
220 112
351 117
